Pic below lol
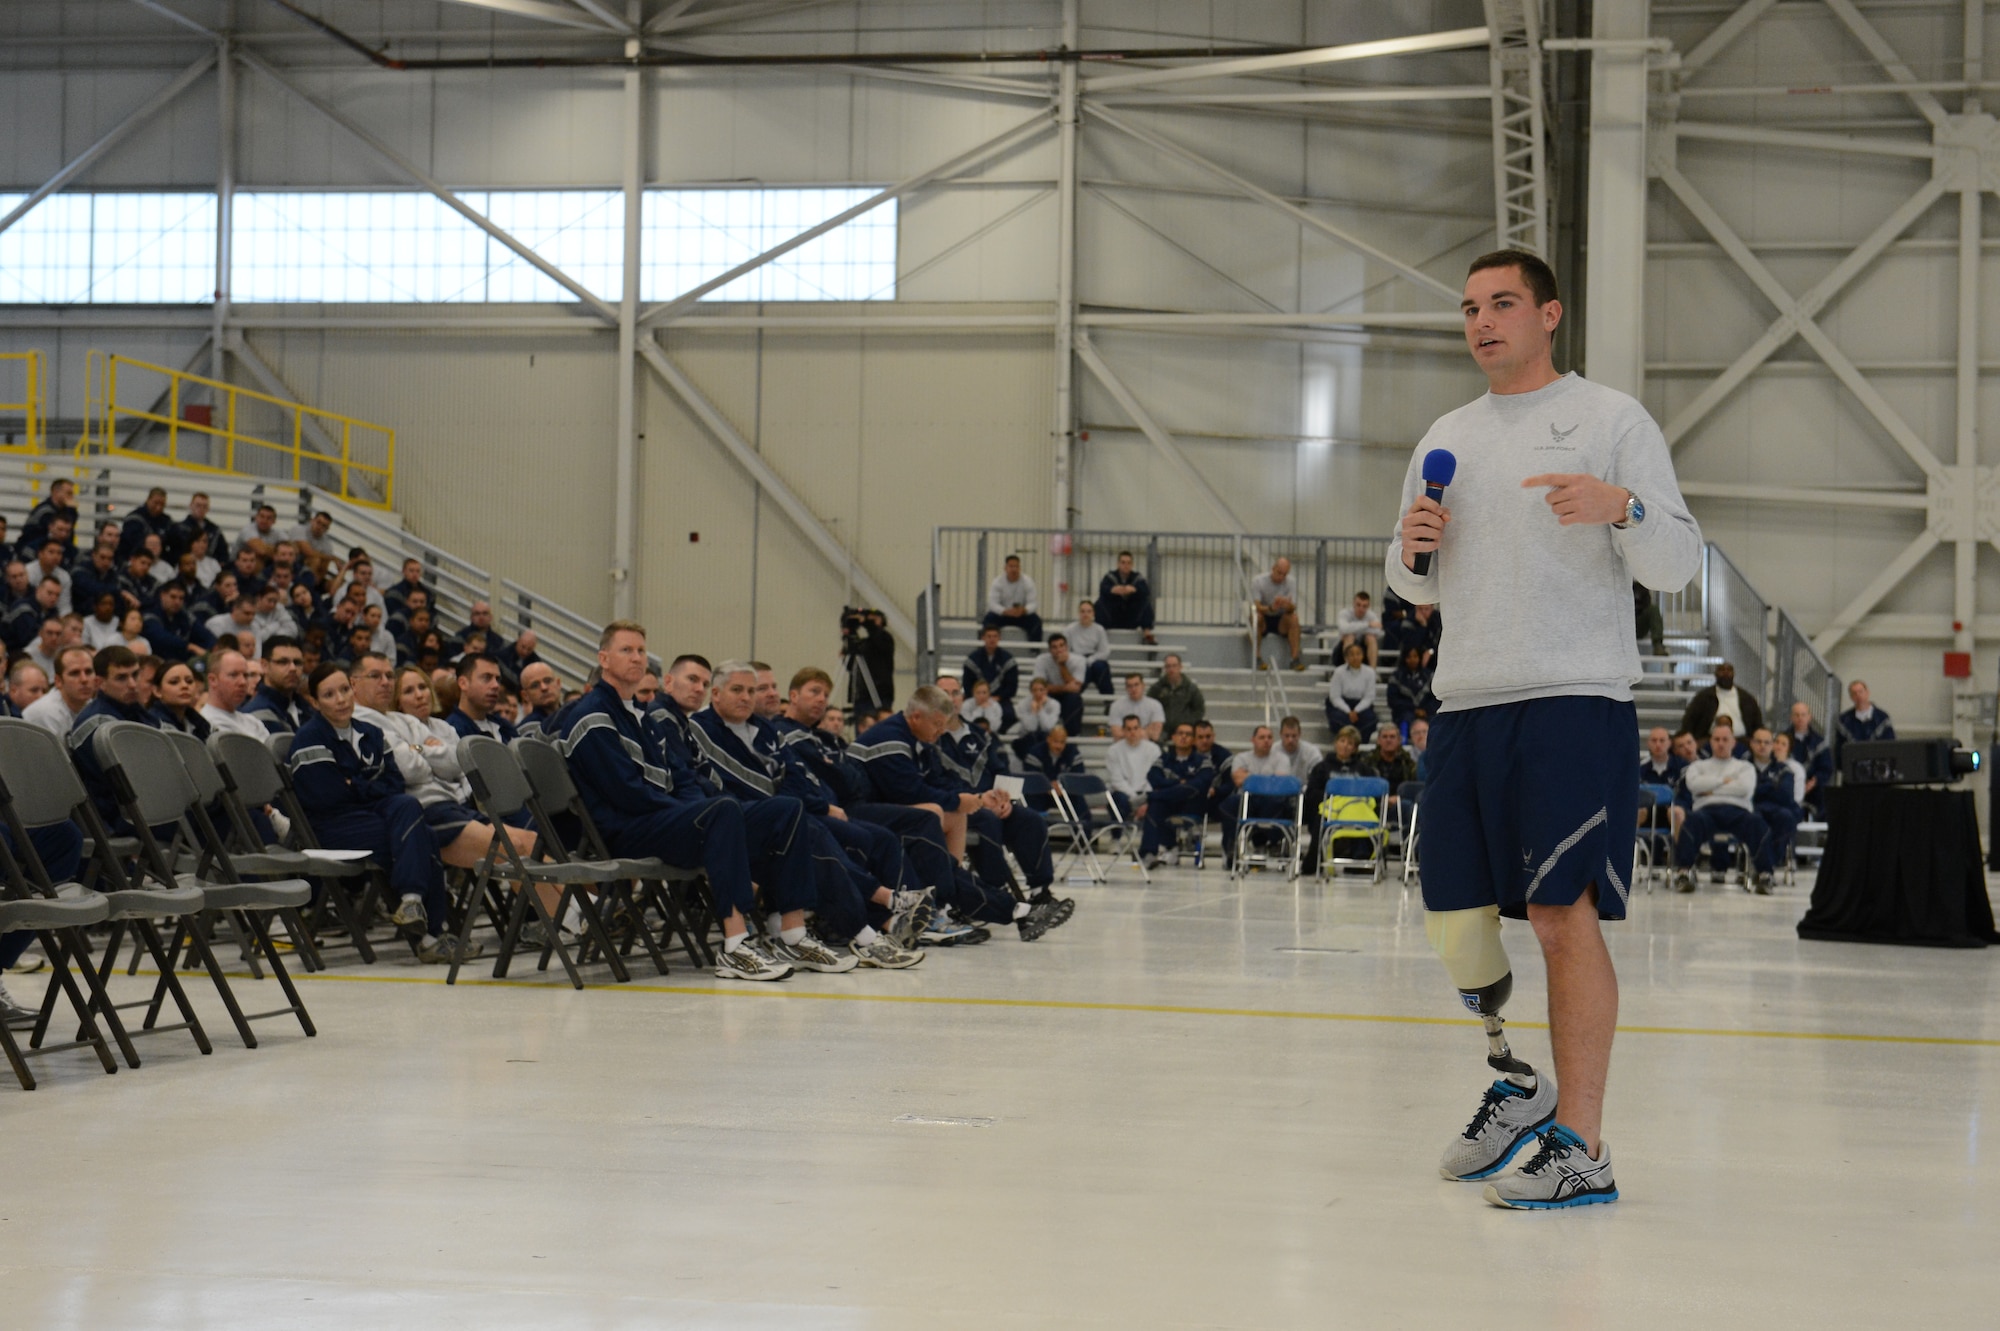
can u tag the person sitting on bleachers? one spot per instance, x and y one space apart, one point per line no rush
1181 782
1180 698
1263 759
96 577
1055 668
1811 751
1423 630
1275 596
1410 695
1012 599
19 588
26 682
1090 647
135 583
1054 757
75 684
351 788
237 623
317 548
1037 717
274 617
1346 759
1128 765
24 626
171 631
1723 699
1137 703
48 566
182 535
44 645
249 570
397 594
260 533
415 625
995 665
61 503
1723 793
277 702
981 712
1360 625
1300 752
518 655
149 519
1350 694
1124 600
1777 798
1863 721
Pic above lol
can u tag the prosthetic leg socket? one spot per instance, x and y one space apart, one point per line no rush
1469 943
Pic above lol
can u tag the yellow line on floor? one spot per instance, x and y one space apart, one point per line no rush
1164 1009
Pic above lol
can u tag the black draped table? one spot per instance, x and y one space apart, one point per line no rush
1902 865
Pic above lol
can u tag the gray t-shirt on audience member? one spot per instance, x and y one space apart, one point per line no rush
1267 589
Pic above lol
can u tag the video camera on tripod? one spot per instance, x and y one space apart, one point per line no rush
867 656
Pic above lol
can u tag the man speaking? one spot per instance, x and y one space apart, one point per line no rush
1563 495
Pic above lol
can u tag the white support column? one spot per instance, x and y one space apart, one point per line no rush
1064 424
1965 567
225 195
625 488
1614 331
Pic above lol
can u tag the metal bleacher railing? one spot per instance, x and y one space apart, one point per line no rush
23 391
144 410
1801 675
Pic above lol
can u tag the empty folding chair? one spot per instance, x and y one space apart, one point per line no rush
1353 811
1288 830
43 789
1091 799
254 778
652 883
155 792
58 923
500 791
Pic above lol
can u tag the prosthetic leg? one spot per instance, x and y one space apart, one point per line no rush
1469 943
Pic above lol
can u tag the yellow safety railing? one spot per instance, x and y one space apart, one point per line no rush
212 426
29 404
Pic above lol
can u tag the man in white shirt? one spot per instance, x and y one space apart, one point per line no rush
1303 754
75 685
1359 623
1136 703
1263 759
1126 766
1090 645
1013 602
229 687
42 651
1058 670
272 619
241 622
1724 790
1277 611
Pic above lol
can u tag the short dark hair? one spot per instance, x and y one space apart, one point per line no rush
278 640
471 662
1055 638
1124 554
685 657
1012 559
1535 271
115 657
1363 596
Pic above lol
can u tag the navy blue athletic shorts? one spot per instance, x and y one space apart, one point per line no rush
1531 802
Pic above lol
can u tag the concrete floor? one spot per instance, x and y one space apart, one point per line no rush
1191 1107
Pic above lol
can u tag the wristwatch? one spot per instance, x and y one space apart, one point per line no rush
1635 512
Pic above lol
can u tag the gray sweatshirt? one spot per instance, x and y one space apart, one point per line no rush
1535 609
1091 643
1722 781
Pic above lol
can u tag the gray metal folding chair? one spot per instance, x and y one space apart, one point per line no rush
666 888
58 923
254 779
500 790
43 789
154 791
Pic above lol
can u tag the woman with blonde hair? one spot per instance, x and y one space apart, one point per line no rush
426 752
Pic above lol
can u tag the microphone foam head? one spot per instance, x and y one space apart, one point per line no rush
1439 467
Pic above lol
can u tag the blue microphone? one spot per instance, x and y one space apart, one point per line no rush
1439 467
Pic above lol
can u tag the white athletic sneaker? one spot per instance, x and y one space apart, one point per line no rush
409 911
1508 1116
747 963
1561 1174
882 954
809 954
909 915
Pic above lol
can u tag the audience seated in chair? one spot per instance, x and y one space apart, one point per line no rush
1811 751
1090 647
981 712
1064 679
1346 759
1128 766
1040 715
1861 722
1295 748
1263 759
1181 780
1723 791
1350 694
995 665
1137 703
1180 698
1410 696
75 684
1777 795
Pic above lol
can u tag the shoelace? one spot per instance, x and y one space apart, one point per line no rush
1555 1147
1496 1095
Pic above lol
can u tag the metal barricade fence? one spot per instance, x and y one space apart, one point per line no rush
1196 578
1738 620
1802 675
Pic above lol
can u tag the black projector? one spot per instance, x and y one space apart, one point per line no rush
1905 762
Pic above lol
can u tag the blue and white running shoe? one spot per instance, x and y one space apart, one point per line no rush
1561 1174
1508 1115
